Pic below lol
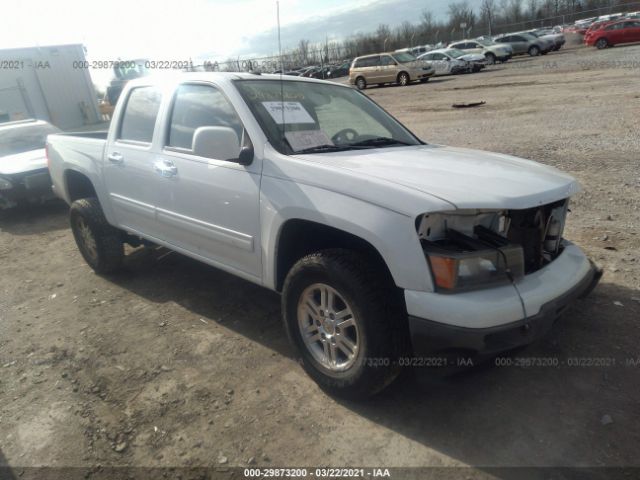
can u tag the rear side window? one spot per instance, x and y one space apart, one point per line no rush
199 106
139 117
367 62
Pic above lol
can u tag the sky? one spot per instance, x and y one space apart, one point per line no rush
195 29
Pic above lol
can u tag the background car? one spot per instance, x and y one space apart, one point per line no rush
24 176
525 43
558 39
492 51
623 31
339 70
444 63
395 67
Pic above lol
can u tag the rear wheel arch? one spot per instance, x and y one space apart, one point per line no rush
298 238
78 186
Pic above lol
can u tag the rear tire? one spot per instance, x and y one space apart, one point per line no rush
99 243
534 51
602 43
354 359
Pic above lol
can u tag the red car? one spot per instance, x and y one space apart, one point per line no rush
594 27
622 31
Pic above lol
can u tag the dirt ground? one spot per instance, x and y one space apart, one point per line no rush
174 363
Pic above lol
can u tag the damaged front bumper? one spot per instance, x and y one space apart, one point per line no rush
487 322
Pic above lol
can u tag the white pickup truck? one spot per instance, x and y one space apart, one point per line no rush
385 249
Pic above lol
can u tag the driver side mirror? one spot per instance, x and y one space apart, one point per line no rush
221 143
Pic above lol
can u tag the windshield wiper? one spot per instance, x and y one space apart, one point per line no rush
323 148
379 142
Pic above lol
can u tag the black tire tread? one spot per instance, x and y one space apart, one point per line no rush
108 238
386 333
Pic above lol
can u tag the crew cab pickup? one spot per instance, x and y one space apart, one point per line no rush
383 247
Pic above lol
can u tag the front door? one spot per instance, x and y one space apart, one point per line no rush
209 206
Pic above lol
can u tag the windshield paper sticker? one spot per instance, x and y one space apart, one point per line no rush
294 112
307 139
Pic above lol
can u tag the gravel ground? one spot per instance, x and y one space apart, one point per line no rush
174 363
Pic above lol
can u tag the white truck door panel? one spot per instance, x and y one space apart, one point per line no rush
130 180
208 206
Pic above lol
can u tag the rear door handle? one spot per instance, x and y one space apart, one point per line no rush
166 168
116 158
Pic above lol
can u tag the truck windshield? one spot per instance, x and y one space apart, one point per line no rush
306 117
24 138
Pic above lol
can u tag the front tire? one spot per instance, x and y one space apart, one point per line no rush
534 51
99 243
345 319
602 44
361 83
403 79
491 58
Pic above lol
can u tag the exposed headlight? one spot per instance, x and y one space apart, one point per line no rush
5 184
459 271
460 262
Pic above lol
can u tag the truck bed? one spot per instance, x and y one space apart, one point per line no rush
82 152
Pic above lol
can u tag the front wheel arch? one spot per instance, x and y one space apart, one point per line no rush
298 238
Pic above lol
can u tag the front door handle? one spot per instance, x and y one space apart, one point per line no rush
115 157
166 168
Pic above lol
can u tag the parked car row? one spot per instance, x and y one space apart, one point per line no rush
321 72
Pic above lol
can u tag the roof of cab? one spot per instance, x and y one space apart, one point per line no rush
225 77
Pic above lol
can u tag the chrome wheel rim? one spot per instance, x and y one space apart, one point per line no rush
328 327
88 240
361 83
404 80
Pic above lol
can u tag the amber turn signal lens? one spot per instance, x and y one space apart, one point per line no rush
444 270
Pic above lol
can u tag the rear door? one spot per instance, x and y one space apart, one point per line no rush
128 165
632 31
208 206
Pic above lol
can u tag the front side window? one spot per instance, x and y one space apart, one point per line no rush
387 61
309 117
139 117
197 106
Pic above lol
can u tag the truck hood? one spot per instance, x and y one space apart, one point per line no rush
23 162
468 179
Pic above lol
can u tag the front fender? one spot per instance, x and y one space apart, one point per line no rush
391 233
